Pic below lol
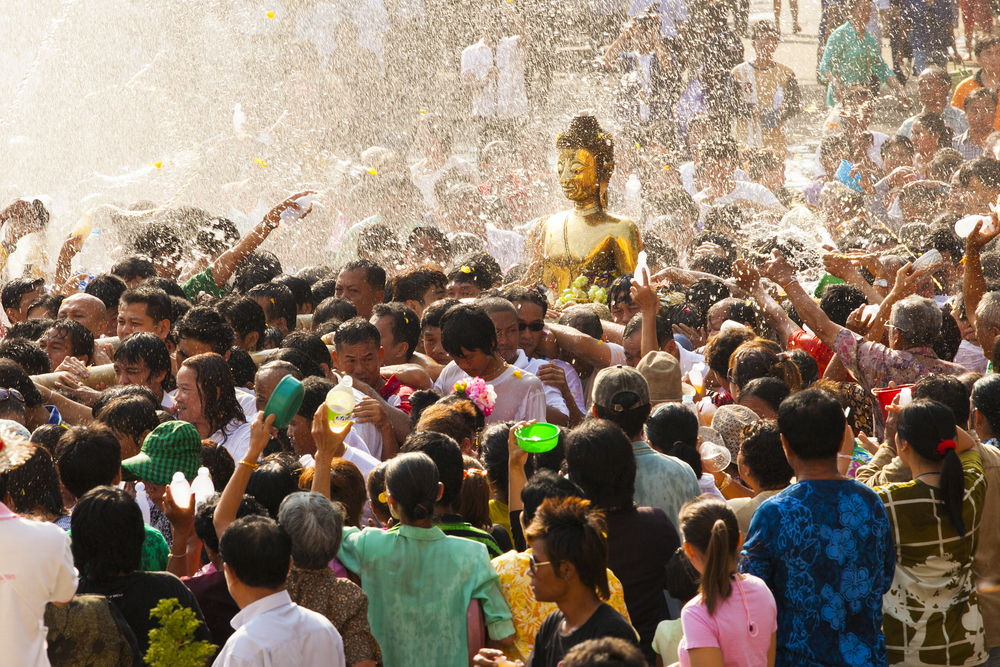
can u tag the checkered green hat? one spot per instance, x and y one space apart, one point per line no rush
169 447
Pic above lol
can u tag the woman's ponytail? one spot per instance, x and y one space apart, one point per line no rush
710 526
953 489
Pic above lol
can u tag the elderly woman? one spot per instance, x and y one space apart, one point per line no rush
316 527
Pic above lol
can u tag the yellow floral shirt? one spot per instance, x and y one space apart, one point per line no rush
528 613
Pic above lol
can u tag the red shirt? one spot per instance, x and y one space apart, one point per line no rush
393 387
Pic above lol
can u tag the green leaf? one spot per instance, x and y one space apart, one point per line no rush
172 644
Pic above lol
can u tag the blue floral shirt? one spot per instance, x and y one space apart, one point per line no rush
825 551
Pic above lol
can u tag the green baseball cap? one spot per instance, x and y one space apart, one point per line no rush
169 447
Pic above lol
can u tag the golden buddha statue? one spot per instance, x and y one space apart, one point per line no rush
586 240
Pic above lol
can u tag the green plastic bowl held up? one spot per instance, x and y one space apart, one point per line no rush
537 438
285 401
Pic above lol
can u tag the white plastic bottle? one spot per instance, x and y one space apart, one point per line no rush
202 486
142 500
297 211
340 402
180 490
641 272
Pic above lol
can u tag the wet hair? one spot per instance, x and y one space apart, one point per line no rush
168 286
300 288
27 354
762 455
894 141
13 292
47 436
447 458
314 390
119 390
242 366
258 268
705 293
216 390
435 312
717 266
812 422
310 344
574 532
50 302
324 289
517 293
316 526
217 236
133 267
355 332
467 327
204 518
147 348
670 424
413 284
768 389
333 308
347 487
620 290
420 400
306 365
755 359
405 324
583 319
493 453
585 133
279 300
710 526
412 480
377 240
108 288
541 486
108 533
600 460
840 300
925 424
79 336
477 268
808 368
130 415
374 274
157 240
157 302
947 390
13 376
34 485
258 551
245 316
433 234
604 652
934 124
275 479
984 168
219 462
207 326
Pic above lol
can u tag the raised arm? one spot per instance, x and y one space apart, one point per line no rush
578 344
645 297
232 495
748 278
778 270
328 443
973 280
227 263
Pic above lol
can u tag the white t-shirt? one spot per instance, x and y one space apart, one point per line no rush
553 397
365 461
687 360
742 192
235 437
36 567
506 97
520 395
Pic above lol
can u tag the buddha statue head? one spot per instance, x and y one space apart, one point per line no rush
586 161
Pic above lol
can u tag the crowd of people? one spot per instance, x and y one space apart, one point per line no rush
777 410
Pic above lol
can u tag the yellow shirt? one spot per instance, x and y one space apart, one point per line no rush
528 613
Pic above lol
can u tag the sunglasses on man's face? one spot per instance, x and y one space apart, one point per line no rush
534 326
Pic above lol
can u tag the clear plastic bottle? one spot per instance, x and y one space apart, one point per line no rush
202 486
142 500
297 211
340 402
180 490
641 272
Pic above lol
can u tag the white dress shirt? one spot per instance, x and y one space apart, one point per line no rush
276 631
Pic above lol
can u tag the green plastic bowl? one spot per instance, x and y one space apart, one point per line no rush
537 438
285 401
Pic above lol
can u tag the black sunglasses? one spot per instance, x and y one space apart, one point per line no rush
534 326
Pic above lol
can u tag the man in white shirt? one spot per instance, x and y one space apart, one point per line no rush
469 336
270 628
493 74
36 567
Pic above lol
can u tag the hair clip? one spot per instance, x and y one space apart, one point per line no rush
382 498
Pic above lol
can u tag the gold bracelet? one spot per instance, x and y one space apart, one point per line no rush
246 463
725 481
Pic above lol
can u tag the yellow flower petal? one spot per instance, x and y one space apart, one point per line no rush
270 15
159 165
517 374
373 172
260 162
465 269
